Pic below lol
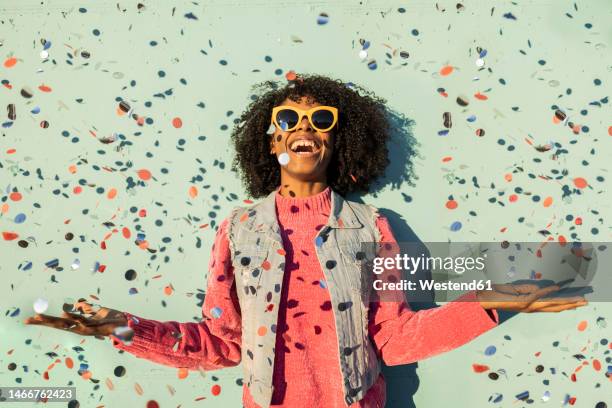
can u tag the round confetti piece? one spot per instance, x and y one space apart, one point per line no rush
168 290
216 312
215 390
321 20
451 204
41 305
182 373
44 88
10 62
372 65
15 196
144 174
480 368
455 226
580 182
610 130
69 363
480 62
266 265
290 76
44 54
119 371
262 330
446 70
177 123
20 218
489 351
363 54
283 159
582 325
112 193
547 201
193 191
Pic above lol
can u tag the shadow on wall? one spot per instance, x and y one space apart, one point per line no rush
402 380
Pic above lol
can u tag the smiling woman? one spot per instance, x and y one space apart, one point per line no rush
345 123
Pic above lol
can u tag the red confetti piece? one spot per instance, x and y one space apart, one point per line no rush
446 70
216 389
248 201
262 330
44 88
480 96
244 217
353 178
547 201
11 151
513 198
573 377
182 373
451 204
582 325
610 130
193 191
446 159
15 196
562 240
152 404
144 174
46 375
9 236
77 190
177 123
290 76
578 221
69 363
10 62
126 232
596 365
281 252
112 193
572 401
480 368
580 182
142 213
266 265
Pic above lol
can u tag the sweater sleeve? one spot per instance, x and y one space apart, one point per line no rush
403 336
212 343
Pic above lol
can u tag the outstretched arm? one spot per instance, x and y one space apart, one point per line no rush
210 344
403 336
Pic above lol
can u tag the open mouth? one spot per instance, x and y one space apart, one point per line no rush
305 147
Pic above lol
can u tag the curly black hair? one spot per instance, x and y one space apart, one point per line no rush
359 153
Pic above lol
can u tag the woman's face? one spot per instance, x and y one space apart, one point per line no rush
303 165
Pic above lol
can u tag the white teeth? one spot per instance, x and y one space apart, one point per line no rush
302 142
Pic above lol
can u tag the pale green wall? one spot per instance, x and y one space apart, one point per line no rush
243 33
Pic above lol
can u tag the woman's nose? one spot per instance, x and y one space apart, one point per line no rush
305 124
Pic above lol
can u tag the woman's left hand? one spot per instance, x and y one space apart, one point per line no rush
527 298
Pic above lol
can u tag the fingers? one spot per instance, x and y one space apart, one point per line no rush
559 307
51 321
532 297
526 288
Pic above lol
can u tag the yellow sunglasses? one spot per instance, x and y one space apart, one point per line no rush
321 118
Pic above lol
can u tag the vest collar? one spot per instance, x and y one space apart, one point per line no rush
264 218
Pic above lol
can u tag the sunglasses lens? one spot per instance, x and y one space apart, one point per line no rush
323 119
286 118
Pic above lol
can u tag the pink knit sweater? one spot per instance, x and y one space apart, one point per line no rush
306 372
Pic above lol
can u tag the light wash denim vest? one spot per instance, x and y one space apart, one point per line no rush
259 264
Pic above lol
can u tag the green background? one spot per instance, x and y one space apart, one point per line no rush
546 55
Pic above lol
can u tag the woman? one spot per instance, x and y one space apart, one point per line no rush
285 295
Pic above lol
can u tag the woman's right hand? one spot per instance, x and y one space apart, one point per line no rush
101 321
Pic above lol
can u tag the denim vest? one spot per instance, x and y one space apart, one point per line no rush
258 259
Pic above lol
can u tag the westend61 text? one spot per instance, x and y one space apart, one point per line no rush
428 284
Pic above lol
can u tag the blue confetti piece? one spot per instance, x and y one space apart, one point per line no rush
366 45
523 395
28 266
191 16
319 241
7 125
52 263
140 236
455 226
322 19
483 53
323 284
443 132
372 65
489 351
83 366
471 118
510 16
133 291
47 45
216 312
35 110
609 372
19 218
15 313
